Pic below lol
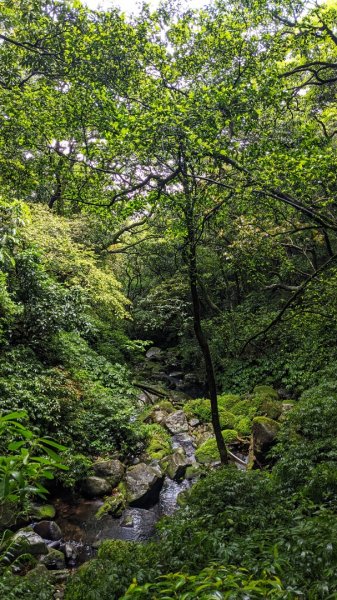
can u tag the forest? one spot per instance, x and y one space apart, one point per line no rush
168 312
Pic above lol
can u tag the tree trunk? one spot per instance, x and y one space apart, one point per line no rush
203 343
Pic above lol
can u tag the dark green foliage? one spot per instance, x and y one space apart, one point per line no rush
108 577
307 448
31 587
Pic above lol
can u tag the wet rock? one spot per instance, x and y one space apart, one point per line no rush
194 422
112 470
128 521
202 433
40 512
143 484
154 353
94 487
29 542
264 434
48 530
177 422
177 464
70 551
54 560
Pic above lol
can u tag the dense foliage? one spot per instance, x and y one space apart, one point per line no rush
170 178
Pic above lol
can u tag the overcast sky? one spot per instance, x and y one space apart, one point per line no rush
130 6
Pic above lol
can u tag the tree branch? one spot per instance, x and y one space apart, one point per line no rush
289 303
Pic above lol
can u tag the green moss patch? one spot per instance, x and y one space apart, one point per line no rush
158 442
201 409
208 451
265 391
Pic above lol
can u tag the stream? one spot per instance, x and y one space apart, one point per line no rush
83 532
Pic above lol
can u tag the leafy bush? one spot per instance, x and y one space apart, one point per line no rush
34 586
109 576
215 581
28 461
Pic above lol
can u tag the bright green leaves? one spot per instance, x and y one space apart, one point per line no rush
27 461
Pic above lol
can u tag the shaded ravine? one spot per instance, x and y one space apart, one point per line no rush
82 531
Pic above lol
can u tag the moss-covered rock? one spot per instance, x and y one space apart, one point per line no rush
177 464
229 435
270 408
247 407
158 442
243 425
165 405
114 504
228 401
208 451
193 471
54 559
41 512
201 409
265 431
265 391
111 470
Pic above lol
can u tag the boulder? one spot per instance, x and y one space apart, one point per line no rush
29 542
112 470
93 487
264 434
143 484
265 391
48 530
154 353
177 464
194 422
177 422
54 560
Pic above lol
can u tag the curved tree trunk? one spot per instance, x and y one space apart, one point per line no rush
203 343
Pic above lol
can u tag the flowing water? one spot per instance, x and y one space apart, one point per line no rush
83 532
